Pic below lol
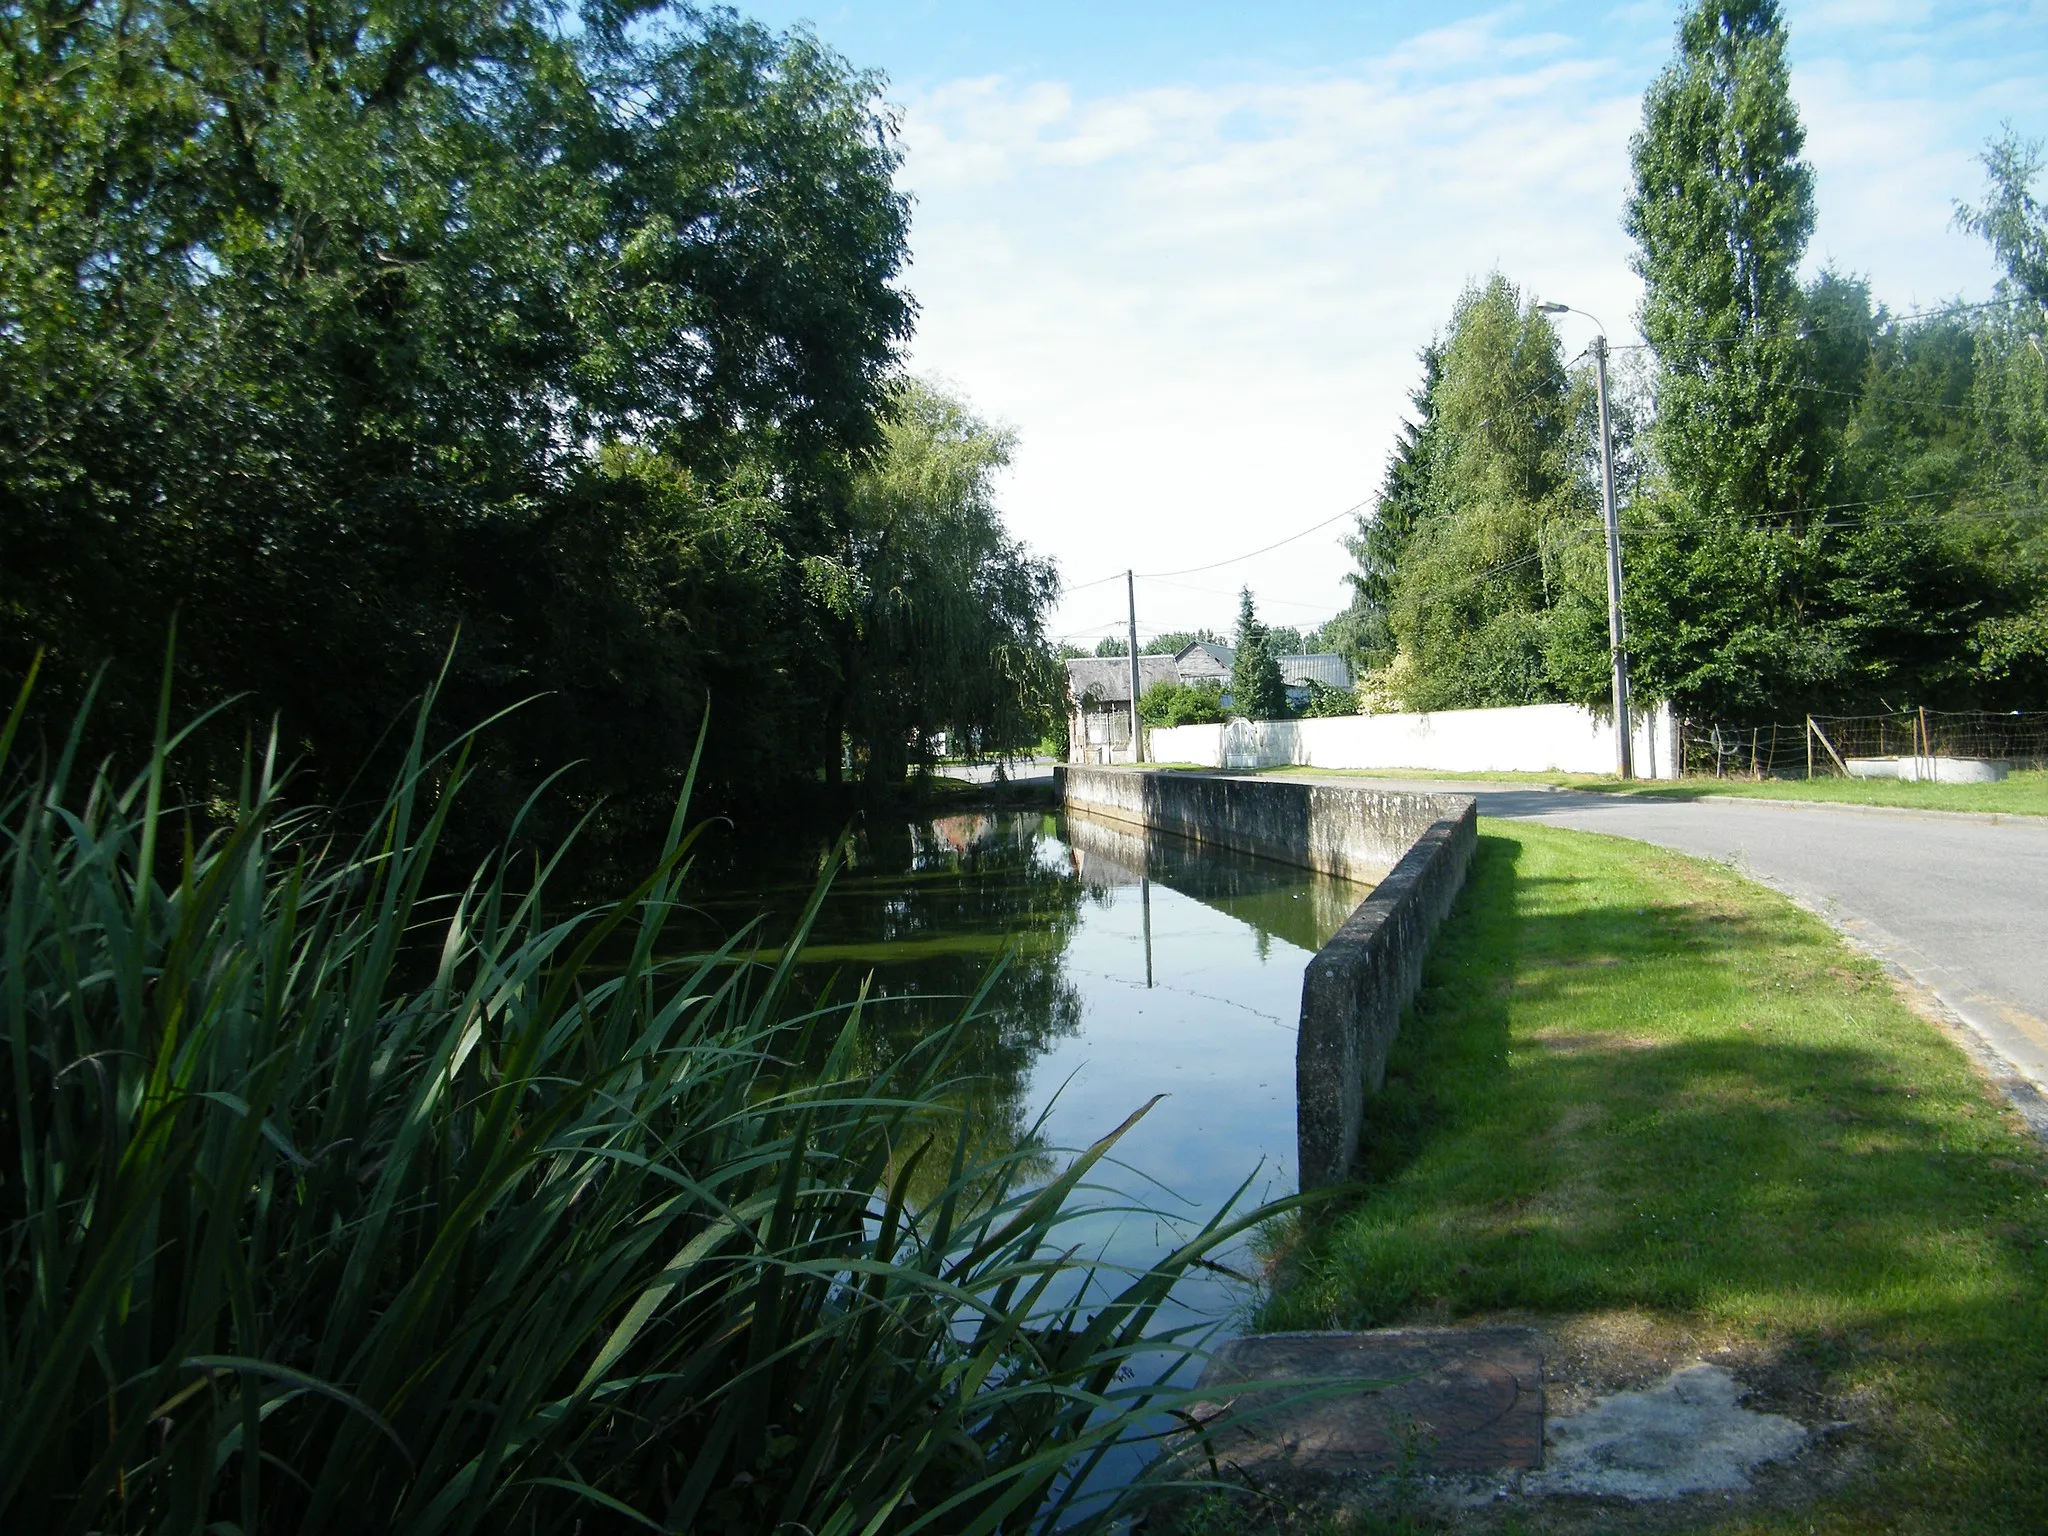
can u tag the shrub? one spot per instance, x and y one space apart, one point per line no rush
1323 700
1168 704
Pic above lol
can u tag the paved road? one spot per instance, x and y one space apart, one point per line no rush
1959 903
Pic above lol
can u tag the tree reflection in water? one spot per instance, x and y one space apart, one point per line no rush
922 911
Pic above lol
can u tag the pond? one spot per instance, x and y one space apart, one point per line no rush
1138 965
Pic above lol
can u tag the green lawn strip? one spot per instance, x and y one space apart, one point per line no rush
1634 1080
2023 793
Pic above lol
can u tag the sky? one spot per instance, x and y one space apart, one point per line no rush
1188 252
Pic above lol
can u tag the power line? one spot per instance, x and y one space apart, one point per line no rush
1215 565
1284 602
1195 570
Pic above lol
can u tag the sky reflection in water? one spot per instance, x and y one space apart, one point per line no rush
1138 966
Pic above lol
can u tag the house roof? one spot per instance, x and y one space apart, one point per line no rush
1204 658
1109 677
1325 667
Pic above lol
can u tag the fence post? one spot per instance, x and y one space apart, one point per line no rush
1809 747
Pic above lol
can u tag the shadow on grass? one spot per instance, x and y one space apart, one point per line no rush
1632 1081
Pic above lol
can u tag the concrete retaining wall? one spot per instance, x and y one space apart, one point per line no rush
1536 738
1417 847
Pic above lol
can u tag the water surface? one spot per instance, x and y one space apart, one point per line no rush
1138 965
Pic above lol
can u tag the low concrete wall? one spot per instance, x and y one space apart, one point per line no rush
1536 738
1417 847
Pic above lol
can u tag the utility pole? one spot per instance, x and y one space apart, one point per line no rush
1617 638
1137 739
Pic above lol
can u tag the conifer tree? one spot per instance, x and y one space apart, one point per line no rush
1257 690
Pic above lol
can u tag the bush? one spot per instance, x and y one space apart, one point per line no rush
333 1204
1323 700
1168 704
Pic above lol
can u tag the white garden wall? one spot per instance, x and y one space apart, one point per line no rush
1536 738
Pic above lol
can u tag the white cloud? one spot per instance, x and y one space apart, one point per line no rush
1200 305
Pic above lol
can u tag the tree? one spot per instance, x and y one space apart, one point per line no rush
2012 219
1169 704
1733 597
1365 635
1493 596
1257 691
2009 401
1174 641
340 328
949 610
1721 212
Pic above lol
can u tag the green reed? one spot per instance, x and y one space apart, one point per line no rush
330 1201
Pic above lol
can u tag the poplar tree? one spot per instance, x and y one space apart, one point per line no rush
1728 588
1721 213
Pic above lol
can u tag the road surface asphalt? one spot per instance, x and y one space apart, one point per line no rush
1958 903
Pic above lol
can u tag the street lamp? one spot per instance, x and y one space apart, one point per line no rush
1617 638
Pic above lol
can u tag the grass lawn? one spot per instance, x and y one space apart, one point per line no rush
2020 794
1636 1086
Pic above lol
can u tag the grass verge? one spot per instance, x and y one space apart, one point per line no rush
1635 1083
2020 794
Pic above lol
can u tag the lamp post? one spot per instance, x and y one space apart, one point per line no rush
1617 638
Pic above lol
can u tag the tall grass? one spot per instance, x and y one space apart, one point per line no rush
332 1204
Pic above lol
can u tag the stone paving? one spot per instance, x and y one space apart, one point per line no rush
1464 1406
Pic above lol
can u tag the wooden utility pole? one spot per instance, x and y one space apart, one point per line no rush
1137 730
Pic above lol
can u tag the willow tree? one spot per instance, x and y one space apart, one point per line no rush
947 620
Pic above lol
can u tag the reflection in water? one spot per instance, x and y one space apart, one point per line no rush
1137 965
1277 900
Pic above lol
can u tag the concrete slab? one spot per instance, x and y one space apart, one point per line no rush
1432 1400
1687 1435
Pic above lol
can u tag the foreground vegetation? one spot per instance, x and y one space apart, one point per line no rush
1637 1084
328 1202
2019 794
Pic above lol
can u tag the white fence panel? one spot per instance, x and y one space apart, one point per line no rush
1536 738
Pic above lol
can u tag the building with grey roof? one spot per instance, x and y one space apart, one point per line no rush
1099 690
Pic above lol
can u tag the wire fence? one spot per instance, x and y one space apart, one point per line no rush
1906 743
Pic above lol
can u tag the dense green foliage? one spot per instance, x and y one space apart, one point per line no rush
1324 701
1492 592
1828 506
1256 689
1197 703
950 631
339 329
330 1204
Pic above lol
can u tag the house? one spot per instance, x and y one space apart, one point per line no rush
1099 703
1326 668
1099 690
1205 662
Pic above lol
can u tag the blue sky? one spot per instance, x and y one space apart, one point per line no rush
1188 251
